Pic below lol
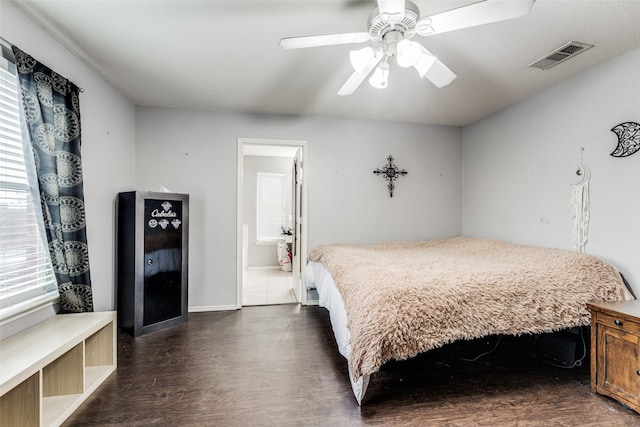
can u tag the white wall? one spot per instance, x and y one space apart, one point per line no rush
263 255
195 152
108 131
519 164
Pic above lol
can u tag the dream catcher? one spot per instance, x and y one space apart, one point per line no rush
580 202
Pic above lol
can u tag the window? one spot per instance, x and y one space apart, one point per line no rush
270 206
27 281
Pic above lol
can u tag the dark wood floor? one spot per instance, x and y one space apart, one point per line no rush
279 366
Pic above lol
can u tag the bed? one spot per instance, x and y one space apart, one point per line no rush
394 300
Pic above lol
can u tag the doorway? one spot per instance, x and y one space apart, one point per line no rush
271 271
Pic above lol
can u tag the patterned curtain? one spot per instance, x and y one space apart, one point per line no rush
52 112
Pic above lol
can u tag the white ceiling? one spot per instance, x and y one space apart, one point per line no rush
224 55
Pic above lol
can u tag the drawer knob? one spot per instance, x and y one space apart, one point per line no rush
618 322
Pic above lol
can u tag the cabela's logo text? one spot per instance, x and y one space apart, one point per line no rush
164 214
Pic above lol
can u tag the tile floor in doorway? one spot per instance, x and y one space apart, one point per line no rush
264 286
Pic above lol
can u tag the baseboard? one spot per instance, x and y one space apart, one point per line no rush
228 307
212 308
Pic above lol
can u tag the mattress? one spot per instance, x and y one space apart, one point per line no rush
403 298
329 297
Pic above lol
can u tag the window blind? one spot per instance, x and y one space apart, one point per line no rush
270 206
26 276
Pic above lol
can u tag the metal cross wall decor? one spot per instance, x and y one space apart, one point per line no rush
390 172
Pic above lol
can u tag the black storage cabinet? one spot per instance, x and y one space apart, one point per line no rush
152 241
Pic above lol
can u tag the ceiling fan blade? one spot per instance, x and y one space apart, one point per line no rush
356 79
391 11
433 69
326 40
483 12
439 74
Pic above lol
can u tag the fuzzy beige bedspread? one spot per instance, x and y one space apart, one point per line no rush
403 298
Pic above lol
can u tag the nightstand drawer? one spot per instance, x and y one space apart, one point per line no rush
618 365
615 351
618 322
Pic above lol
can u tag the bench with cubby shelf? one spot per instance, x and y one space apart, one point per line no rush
48 370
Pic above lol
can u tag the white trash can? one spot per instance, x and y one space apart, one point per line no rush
284 256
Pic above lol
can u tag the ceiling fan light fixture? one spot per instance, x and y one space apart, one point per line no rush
409 53
380 77
361 58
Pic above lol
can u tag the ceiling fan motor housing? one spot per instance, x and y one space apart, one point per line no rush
391 40
385 35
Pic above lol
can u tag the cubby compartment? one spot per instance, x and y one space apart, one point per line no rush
48 370
20 406
99 356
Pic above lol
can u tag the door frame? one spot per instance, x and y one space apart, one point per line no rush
302 145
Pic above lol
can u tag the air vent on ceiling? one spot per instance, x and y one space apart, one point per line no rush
568 50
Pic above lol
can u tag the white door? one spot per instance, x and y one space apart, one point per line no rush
297 224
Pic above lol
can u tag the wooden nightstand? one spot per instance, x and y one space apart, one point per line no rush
615 351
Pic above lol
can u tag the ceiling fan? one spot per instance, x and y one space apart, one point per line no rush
390 28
